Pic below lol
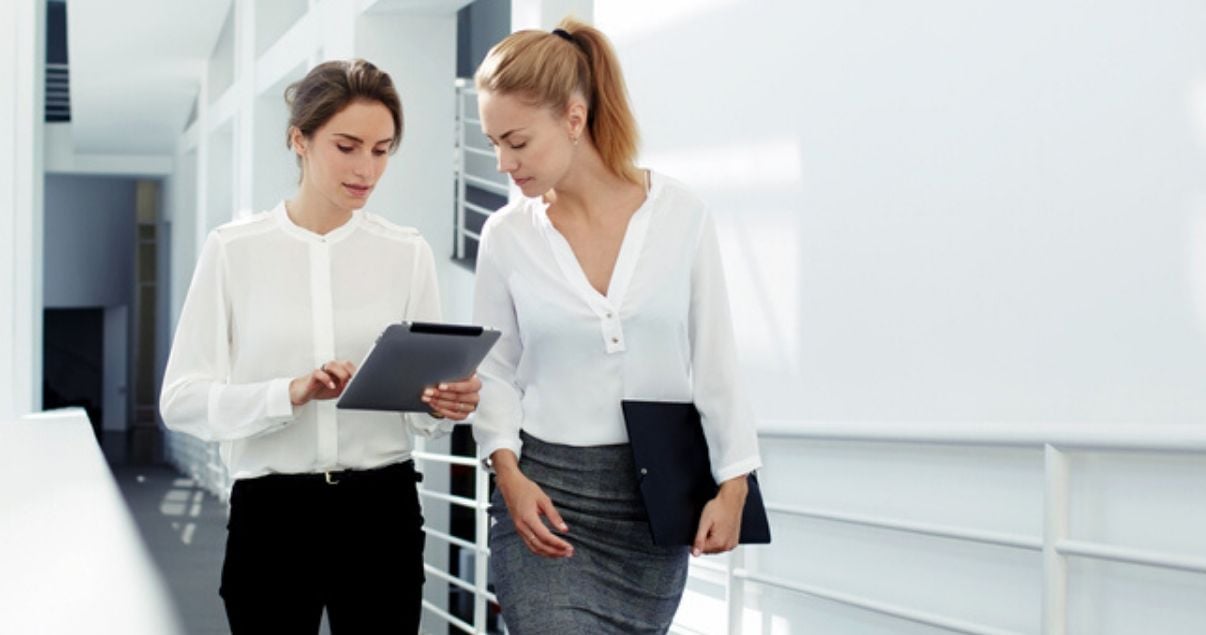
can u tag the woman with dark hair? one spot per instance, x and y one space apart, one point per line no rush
324 512
607 284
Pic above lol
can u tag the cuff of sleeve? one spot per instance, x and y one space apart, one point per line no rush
733 470
280 407
513 444
429 426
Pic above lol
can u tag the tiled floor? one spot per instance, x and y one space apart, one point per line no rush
184 528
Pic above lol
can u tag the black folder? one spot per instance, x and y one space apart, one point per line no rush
675 474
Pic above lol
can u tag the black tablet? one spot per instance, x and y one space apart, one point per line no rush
410 356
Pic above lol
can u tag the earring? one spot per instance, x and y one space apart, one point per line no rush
576 140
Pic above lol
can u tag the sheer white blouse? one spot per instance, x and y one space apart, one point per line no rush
270 301
568 354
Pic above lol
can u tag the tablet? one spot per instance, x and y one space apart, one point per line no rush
410 356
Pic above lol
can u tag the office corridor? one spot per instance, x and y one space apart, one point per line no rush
184 528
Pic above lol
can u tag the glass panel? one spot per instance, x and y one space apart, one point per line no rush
474 221
146 262
484 198
484 168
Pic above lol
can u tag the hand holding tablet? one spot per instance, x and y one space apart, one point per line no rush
454 400
411 357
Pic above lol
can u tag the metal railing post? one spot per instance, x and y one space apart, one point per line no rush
1055 530
481 534
459 165
735 590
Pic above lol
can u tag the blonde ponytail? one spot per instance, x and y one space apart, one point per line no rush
548 68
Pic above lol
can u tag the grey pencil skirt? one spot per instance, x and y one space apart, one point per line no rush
617 581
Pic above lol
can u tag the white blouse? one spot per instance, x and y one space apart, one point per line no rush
270 301
568 354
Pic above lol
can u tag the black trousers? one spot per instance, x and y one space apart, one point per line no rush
296 544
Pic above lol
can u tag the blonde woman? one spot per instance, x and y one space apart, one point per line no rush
606 282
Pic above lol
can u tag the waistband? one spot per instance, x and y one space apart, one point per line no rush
336 477
575 457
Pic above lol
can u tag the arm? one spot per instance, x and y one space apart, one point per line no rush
496 428
197 397
496 425
728 422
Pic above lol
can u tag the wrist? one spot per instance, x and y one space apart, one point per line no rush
295 396
737 487
504 464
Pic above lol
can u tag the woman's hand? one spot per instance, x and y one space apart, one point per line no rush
720 522
454 399
526 503
325 382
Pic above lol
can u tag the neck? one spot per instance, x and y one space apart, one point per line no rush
310 210
590 189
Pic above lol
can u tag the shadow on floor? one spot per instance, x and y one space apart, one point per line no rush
184 528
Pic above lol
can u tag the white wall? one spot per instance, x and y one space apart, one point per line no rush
950 211
61 157
90 235
181 216
944 210
276 169
22 63
419 53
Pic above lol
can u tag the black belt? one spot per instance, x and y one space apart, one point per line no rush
335 477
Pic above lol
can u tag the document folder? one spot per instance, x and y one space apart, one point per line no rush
410 356
675 473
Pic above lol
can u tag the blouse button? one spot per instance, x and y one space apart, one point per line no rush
615 340
609 315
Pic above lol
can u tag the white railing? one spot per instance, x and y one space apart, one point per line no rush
489 181
476 544
199 460
1054 542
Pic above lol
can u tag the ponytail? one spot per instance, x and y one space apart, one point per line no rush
549 68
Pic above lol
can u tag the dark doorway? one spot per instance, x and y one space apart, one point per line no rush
73 361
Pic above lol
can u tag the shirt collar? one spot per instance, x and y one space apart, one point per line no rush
339 233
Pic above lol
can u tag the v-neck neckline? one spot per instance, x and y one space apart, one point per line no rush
625 264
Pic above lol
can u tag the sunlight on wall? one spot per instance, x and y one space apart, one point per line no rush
761 254
761 244
702 611
738 167
1195 245
1197 109
653 15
